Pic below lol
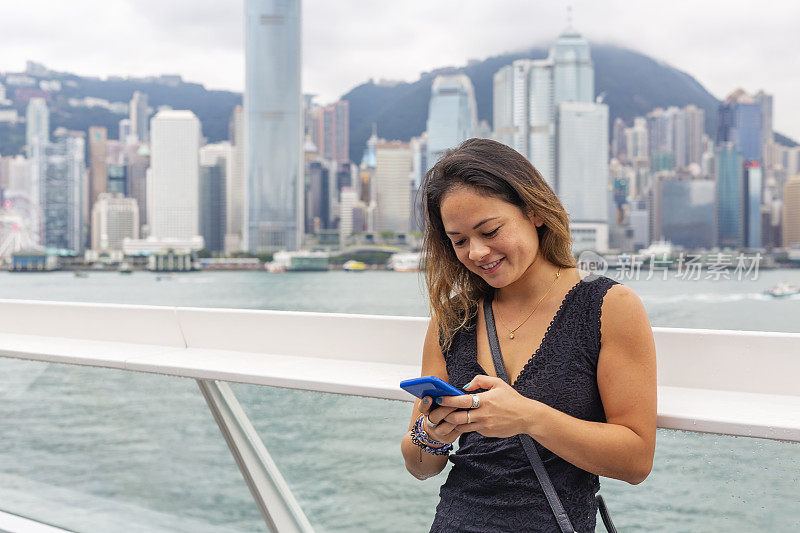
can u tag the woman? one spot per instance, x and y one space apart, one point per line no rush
497 234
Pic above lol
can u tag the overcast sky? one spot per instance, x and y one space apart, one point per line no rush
724 45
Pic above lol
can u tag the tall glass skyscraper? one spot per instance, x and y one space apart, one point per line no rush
740 123
273 125
573 70
452 114
730 197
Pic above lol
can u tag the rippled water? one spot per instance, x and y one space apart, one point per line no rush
98 450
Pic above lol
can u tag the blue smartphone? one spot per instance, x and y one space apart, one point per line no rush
429 386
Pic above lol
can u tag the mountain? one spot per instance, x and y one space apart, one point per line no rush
633 84
213 108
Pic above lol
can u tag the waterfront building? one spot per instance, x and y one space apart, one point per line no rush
333 141
503 106
573 70
172 196
114 218
318 205
347 201
730 196
691 144
139 114
273 125
235 185
583 165
212 204
98 169
137 161
392 183
683 210
62 183
542 120
791 213
452 115
753 185
740 122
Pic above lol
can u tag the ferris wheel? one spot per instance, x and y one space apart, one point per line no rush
20 224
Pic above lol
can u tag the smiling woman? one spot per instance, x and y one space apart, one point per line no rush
552 406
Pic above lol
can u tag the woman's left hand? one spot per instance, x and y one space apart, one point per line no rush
502 412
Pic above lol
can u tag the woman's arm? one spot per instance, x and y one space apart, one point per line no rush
621 448
432 365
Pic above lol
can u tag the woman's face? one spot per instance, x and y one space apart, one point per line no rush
491 237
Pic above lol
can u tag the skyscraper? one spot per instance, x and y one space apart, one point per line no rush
542 120
392 186
235 184
573 70
730 196
452 114
114 218
273 125
37 123
583 160
503 106
791 213
98 169
62 200
139 115
174 175
752 204
333 141
740 122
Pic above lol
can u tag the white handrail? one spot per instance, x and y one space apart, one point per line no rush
730 382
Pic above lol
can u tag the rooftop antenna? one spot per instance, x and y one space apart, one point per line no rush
569 16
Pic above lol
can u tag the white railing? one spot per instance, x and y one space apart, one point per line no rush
727 382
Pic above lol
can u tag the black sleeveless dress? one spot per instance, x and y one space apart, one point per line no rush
492 486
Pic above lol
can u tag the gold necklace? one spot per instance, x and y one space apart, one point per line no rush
511 331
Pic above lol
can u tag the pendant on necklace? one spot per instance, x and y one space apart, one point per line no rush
510 335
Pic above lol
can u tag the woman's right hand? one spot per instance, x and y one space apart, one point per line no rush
443 431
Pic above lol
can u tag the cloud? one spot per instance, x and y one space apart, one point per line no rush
346 42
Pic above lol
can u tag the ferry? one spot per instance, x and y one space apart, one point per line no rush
299 261
354 266
405 262
125 268
782 290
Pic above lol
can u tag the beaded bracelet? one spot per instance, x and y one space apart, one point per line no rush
420 438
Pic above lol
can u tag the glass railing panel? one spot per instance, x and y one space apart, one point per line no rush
341 457
91 449
706 482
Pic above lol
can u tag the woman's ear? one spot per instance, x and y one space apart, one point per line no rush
537 221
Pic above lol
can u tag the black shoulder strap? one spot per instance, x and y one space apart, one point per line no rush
527 441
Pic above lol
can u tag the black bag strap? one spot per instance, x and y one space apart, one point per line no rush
527 441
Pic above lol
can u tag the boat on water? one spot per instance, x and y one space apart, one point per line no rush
298 261
404 262
125 268
81 274
782 290
167 277
354 266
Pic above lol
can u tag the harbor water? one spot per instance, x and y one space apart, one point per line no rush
101 450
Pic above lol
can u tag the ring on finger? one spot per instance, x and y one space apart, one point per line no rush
430 422
476 401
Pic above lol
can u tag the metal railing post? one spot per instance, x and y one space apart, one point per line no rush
275 500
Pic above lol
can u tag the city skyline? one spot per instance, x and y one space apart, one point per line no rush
174 38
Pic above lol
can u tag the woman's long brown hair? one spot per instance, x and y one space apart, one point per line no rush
499 171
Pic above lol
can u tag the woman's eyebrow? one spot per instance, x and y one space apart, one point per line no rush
476 226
